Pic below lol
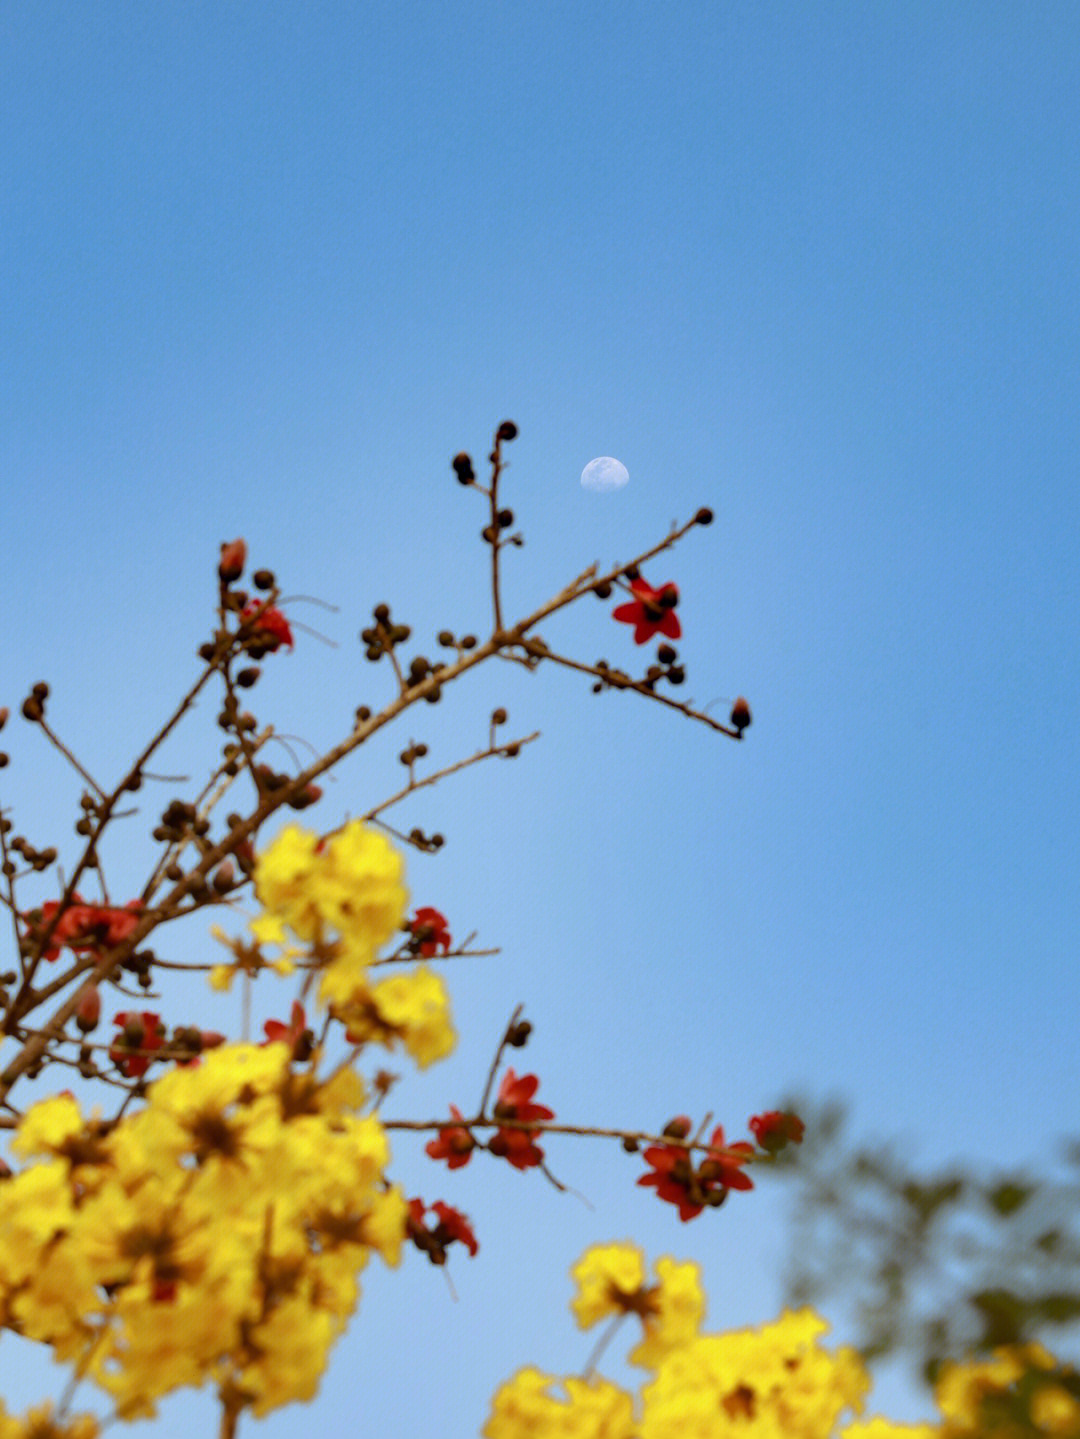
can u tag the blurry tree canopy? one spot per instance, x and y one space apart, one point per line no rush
932 1266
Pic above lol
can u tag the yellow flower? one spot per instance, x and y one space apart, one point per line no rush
610 1280
886 1429
39 1423
770 1382
679 1307
412 1008
283 879
525 1408
1018 1391
349 884
47 1126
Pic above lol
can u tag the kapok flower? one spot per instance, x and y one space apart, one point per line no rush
139 1035
295 1034
429 932
452 1226
455 1144
774 1131
515 1102
651 611
82 926
678 1182
270 629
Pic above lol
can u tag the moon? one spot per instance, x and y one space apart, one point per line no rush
604 474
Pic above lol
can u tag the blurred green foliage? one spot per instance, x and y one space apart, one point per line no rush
932 1266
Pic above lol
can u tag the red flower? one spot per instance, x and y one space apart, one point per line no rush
455 1144
452 1226
651 612
139 1034
270 629
774 1131
514 1102
295 1034
678 1182
456 1225
83 926
429 931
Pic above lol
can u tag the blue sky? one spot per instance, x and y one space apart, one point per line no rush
263 270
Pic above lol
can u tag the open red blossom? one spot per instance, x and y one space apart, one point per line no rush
270 629
139 1035
82 926
515 1102
678 1182
455 1144
295 1034
651 611
456 1225
429 931
775 1130
452 1226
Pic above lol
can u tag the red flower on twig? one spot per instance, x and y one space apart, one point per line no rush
429 932
139 1035
678 1182
455 1144
270 629
83 927
295 1034
452 1227
775 1130
515 1102
651 611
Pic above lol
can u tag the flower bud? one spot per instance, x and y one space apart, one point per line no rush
231 564
88 1011
740 715
678 1128
507 431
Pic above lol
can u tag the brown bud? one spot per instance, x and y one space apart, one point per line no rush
224 877
233 559
740 715
463 468
4 716
507 431
88 1011
678 1128
704 516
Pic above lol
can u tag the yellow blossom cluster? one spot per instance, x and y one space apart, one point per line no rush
350 883
217 1235
1021 1391
775 1382
342 898
40 1423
